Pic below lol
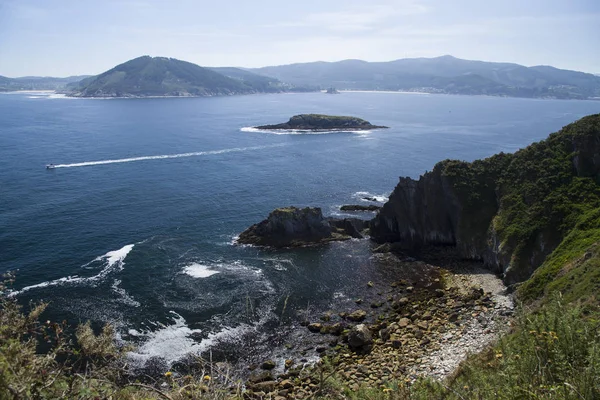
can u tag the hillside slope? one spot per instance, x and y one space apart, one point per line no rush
159 76
510 210
444 74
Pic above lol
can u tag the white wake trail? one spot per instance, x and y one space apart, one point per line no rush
114 262
165 156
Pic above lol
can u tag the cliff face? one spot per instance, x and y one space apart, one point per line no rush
510 210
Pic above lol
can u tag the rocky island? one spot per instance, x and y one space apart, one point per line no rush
320 122
296 227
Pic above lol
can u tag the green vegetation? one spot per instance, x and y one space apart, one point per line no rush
160 76
90 368
444 74
531 200
323 122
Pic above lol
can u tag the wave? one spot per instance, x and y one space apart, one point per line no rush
114 262
300 131
170 342
196 270
362 196
174 342
166 156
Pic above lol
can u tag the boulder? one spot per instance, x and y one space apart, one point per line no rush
268 365
357 316
360 337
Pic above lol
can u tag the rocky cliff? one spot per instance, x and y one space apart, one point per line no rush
510 210
295 227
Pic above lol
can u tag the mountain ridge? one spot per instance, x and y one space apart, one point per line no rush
444 74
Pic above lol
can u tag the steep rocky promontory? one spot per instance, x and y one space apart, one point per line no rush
509 210
319 122
296 227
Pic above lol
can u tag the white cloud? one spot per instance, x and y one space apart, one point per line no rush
356 18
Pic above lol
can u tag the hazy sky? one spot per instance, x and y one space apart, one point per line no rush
71 37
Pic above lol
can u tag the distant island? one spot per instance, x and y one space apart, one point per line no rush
332 90
319 122
168 77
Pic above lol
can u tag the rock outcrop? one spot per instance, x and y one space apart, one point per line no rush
295 227
318 122
510 210
359 207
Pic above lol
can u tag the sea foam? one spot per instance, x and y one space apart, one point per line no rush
196 270
300 131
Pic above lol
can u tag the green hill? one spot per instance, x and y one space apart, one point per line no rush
160 76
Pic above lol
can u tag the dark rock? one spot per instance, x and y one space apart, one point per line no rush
359 336
295 227
358 207
384 334
396 341
290 227
349 226
268 365
315 327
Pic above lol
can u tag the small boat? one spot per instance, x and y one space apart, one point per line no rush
50 166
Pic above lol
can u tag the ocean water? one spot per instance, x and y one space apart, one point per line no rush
136 225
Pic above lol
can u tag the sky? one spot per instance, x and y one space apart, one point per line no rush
75 37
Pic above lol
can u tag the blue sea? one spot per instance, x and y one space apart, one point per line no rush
136 226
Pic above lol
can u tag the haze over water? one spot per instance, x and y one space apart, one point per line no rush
136 224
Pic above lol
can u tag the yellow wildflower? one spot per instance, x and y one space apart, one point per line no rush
206 377
168 374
